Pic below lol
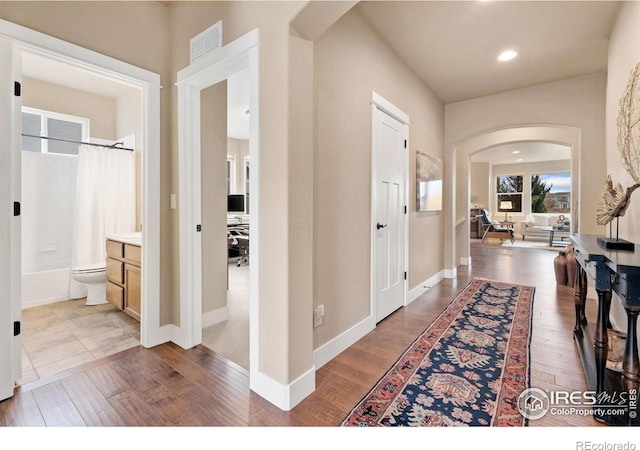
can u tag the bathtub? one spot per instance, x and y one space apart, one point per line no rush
40 288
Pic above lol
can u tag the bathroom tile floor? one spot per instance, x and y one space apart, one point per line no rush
63 335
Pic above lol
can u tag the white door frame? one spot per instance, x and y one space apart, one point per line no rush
378 102
10 362
239 55
25 40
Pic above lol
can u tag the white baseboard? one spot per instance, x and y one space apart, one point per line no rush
173 333
465 261
284 396
216 316
169 333
425 286
334 347
451 273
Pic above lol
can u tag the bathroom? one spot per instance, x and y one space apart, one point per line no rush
63 324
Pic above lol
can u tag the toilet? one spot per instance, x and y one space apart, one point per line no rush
95 277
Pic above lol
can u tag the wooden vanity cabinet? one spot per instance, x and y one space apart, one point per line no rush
124 276
132 290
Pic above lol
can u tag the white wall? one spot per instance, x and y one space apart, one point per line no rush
48 197
480 173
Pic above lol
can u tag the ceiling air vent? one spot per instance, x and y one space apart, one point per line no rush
207 41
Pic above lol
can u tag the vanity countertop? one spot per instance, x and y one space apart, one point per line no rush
133 238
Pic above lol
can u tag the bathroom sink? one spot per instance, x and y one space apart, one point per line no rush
134 238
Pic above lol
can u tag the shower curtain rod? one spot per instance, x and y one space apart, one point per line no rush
113 146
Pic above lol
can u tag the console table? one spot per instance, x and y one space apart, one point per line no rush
612 271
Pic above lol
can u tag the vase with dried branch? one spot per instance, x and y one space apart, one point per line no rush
616 200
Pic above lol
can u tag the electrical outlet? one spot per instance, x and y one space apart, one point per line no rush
318 315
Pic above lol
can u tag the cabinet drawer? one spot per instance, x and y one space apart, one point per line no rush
115 295
132 290
115 270
132 254
115 249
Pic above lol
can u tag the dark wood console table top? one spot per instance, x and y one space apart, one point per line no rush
612 271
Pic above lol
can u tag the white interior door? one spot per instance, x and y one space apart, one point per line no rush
10 270
389 156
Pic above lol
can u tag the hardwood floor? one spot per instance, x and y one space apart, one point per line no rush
169 386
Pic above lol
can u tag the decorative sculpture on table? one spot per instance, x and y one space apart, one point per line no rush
615 201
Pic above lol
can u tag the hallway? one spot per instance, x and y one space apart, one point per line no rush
169 386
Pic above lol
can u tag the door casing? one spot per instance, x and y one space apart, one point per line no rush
24 40
381 104
239 55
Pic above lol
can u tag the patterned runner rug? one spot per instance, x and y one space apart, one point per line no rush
466 369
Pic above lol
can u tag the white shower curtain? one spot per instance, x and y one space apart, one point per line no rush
105 204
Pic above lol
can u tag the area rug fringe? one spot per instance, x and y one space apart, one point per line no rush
468 368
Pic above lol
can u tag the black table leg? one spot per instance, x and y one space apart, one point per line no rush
601 341
583 315
579 298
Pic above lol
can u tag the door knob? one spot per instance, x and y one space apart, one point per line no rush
378 226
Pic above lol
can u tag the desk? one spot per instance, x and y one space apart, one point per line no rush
612 271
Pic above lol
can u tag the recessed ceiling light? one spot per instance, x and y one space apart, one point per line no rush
515 152
507 55
520 159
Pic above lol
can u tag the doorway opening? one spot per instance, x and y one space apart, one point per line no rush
525 186
226 324
566 137
21 48
202 95
62 326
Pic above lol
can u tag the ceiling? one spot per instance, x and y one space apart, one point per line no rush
522 152
452 46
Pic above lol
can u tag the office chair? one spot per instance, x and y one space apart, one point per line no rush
238 240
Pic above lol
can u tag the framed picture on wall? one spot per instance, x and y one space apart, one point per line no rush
429 182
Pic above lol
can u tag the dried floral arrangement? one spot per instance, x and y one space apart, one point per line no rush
615 201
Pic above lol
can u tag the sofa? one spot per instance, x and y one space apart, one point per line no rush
533 225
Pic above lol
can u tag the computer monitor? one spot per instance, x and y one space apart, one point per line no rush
235 203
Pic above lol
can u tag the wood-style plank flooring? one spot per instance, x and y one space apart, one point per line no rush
170 386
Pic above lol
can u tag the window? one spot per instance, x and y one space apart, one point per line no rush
36 122
231 174
551 193
509 189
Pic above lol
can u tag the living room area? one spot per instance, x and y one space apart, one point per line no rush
521 195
